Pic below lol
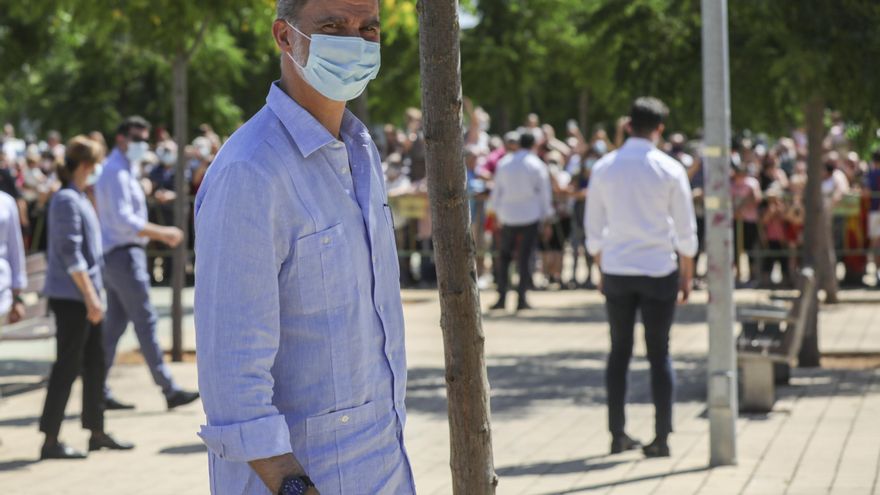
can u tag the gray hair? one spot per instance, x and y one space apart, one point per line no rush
288 10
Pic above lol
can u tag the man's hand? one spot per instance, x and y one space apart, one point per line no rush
172 236
686 278
94 310
16 313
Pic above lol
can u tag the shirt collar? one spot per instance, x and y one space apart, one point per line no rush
308 134
638 143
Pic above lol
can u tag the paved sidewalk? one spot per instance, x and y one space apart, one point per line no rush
546 372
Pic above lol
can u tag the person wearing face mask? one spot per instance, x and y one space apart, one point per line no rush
122 209
299 322
73 286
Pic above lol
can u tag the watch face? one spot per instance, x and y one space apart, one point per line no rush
293 486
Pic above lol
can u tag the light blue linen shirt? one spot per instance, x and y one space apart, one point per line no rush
299 323
74 244
13 272
122 205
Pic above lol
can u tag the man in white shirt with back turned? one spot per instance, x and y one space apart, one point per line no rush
641 228
521 197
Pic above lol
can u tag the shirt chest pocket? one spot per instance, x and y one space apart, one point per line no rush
320 278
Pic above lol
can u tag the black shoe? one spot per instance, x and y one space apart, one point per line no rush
523 306
499 306
656 448
623 443
60 451
115 405
181 398
109 443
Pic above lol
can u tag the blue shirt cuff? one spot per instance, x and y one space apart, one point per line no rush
249 441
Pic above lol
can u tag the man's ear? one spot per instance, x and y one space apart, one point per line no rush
281 34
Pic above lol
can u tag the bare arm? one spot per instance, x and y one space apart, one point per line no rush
274 470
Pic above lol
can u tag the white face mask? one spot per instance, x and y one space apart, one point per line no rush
339 67
137 151
95 175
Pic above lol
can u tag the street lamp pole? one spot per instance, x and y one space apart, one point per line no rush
722 396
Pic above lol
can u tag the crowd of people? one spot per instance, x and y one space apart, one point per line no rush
768 181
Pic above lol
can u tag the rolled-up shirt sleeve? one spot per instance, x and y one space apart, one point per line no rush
683 218
239 248
66 226
17 264
595 220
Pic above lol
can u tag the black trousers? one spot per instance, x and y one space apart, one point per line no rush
655 298
528 237
80 351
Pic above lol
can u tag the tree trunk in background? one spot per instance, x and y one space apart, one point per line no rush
818 246
181 202
583 113
467 386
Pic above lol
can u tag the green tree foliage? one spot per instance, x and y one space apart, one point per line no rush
78 65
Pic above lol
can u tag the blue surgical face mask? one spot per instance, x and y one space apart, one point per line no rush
339 67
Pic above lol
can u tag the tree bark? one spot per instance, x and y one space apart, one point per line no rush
181 202
467 385
583 113
818 247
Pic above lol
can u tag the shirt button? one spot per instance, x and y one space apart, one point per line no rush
381 308
325 240
344 419
337 145
343 170
374 259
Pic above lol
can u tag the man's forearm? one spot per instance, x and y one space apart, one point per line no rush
686 266
153 232
274 470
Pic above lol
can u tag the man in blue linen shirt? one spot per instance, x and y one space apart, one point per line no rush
641 229
125 231
299 322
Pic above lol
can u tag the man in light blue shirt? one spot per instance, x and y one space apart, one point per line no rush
122 210
13 273
299 323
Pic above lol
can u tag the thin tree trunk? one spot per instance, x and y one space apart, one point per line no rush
583 112
467 386
818 248
181 202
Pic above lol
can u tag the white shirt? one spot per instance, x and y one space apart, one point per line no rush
639 211
522 194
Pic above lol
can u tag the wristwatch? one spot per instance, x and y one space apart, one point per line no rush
295 485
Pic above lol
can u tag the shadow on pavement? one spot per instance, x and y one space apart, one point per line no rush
586 488
586 313
195 448
17 464
562 467
30 421
520 382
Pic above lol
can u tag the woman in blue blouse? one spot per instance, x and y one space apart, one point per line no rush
73 286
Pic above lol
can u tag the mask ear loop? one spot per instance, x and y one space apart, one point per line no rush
304 35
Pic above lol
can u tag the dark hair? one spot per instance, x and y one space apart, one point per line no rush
875 156
646 115
288 10
133 122
527 140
